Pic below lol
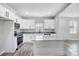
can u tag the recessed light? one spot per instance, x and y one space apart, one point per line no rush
26 12
49 12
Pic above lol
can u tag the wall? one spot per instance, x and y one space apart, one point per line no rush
63 28
69 14
7 41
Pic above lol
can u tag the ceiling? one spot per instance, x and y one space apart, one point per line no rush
71 11
37 9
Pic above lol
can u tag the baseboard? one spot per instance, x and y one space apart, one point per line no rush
2 52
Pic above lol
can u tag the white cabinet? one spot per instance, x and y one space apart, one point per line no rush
49 24
7 41
11 15
29 24
6 14
19 20
2 11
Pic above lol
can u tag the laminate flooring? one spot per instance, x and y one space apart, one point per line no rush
24 49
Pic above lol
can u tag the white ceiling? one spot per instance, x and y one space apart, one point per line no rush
71 11
37 9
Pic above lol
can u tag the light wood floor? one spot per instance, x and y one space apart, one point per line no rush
24 49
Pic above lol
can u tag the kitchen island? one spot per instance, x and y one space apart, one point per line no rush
48 48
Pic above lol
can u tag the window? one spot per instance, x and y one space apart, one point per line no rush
72 27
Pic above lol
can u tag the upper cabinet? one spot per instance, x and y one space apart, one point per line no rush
49 24
19 20
6 14
2 11
28 24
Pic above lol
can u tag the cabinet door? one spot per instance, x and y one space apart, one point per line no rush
10 15
13 17
20 21
5 13
28 24
49 24
2 11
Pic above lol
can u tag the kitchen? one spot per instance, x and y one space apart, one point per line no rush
51 29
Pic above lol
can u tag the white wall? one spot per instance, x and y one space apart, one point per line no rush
7 41
69 14
63 30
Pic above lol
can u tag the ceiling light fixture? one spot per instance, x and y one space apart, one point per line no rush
49 12
26 12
